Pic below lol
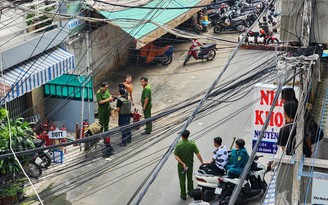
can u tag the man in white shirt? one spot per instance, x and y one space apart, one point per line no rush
219 158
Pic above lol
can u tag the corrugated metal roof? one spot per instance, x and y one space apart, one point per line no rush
137 29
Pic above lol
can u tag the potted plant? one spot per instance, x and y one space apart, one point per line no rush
11 177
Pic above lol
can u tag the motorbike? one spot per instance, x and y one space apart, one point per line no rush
155 54
32 168
207 51
44 160
207 181
240 24
252 186
259 37
268 35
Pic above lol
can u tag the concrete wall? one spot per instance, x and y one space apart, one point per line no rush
109 51
78 45
70 112
284 181
111 47
291 21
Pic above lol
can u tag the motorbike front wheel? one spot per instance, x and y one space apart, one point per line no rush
33 170
224 197
166 60
186 60
211 55
218 29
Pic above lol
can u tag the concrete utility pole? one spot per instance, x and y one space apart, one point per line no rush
307 22
306 35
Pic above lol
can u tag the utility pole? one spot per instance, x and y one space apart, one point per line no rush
306 35
306 22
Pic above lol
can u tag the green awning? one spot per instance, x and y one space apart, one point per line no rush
69 86
145 33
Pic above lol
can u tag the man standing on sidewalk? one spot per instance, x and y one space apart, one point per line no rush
104 109
123 107
146 103
184 154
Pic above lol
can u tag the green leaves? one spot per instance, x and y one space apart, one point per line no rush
21 139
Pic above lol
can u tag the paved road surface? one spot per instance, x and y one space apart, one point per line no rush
96 181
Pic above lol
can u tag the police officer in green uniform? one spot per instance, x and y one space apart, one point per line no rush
184 154
146 104
104 110
123 107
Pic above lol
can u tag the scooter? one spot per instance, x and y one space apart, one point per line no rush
43 158
208 180
207 51
240 24
252 186
32 168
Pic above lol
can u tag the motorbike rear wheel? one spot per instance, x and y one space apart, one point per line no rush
186 60
211 55
33 170
217 29
166 60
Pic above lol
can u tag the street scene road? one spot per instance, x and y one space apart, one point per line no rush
98 98
90 181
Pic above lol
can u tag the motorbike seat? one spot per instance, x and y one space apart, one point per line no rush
207 46
256 33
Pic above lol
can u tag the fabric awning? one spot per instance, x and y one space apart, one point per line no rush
36 71
130 20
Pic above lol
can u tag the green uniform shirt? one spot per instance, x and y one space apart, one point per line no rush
146 93
103 96
185 150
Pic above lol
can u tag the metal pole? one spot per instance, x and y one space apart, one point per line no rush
306 23
237 189
296 192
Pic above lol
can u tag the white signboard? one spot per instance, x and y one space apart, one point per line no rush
319 189
57 134
264 97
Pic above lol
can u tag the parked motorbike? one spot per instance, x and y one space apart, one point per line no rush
252 186
207 51
32 168
268 35
227 23
156 54
44 156
208 181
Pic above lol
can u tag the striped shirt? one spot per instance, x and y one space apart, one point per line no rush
220 155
